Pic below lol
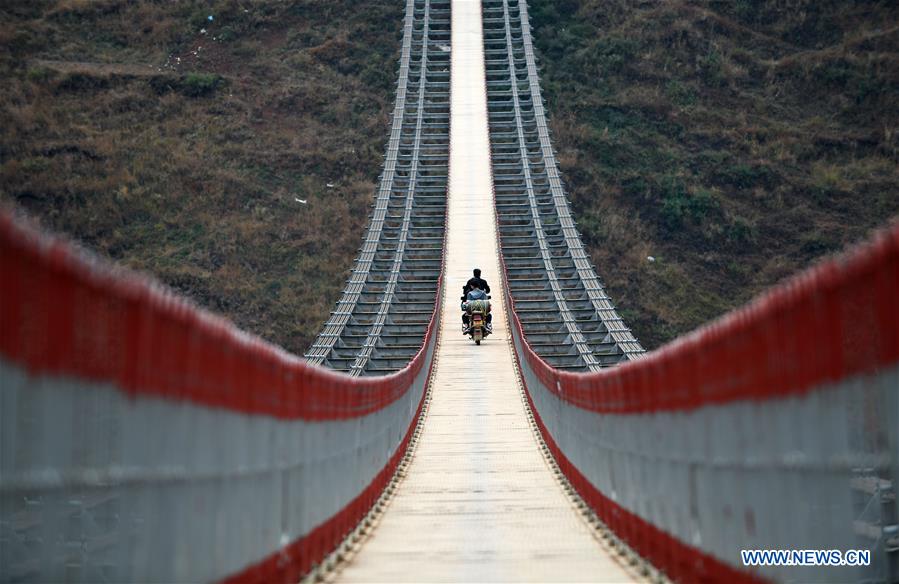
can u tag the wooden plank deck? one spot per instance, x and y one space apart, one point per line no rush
479 502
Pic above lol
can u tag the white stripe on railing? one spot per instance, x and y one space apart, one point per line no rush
142 439
772 428
127 488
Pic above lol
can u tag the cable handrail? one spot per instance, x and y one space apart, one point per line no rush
339 318
374 332
532 207
574 331
622 335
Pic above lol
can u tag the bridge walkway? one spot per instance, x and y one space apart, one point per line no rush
479 502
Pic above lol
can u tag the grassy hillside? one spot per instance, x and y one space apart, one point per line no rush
178 145
733 141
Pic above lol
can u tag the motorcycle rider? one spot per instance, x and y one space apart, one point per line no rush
478 281
475 289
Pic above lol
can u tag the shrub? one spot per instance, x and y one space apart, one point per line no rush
199 18
711 65
739 231
613 53
34 165
40 74
81 81
680 206
746 176
199 84
680 94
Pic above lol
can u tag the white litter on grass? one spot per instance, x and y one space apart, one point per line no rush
210 18
329 185
650 259
202 31
300 201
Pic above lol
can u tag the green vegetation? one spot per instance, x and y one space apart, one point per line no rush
179 145
197 84
733 141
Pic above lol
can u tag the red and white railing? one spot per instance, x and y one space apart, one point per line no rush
142 438
774 427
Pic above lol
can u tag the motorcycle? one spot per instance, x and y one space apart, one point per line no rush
477 311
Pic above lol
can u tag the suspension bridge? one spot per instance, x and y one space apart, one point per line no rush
143 439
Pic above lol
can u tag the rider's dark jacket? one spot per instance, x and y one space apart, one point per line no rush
472 282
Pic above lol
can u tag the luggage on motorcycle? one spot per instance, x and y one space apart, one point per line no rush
477 327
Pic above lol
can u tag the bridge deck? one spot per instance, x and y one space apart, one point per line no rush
479 501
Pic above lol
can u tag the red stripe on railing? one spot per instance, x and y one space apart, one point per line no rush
291 563
837 320
64 313
681 562
294 561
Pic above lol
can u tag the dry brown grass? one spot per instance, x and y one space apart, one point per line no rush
734 141
182 153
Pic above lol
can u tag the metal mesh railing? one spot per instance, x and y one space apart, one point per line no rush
142 439
380 320
567 315
775 428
